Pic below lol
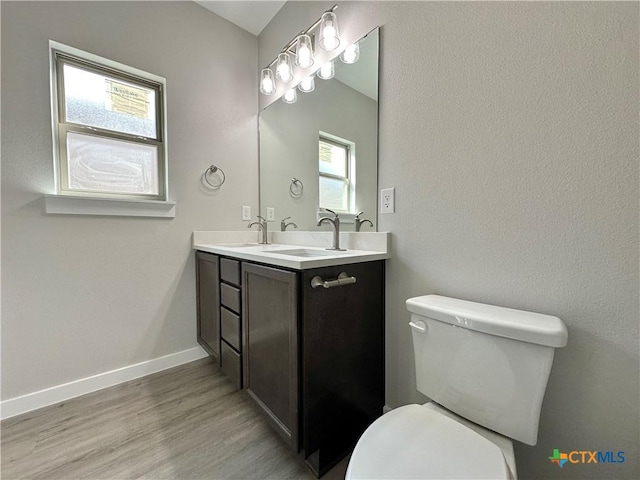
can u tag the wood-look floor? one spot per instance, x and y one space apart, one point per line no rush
184 423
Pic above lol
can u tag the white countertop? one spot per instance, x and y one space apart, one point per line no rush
302 256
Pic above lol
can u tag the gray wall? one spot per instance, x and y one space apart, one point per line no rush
82 295
289 148
510 132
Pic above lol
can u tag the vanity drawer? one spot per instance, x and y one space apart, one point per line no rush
231 364
230 270
230 327
230 297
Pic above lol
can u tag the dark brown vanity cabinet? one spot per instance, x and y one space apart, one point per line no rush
311 358
208 302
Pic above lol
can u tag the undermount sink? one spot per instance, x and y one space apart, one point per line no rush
238 245
303 252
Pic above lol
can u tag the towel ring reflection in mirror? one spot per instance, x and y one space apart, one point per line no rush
211 171
296 188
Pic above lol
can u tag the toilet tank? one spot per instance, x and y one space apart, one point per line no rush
487 364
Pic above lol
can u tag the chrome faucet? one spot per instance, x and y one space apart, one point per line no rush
262 225
283 225
335 223
359 222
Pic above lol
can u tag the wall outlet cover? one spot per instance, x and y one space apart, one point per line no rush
271 214
387 200
246 212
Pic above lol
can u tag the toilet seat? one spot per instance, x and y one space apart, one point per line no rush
420 443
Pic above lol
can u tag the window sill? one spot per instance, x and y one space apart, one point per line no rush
72 205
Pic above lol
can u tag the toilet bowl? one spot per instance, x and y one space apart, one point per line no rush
429 442
485 368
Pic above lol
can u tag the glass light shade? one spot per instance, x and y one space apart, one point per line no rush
307 84
329 36
327 71
304 51
351 53
290 96
284 72
267 83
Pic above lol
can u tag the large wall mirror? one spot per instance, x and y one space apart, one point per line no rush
322 150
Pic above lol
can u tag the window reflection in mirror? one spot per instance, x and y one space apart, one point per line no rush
315 139
336 158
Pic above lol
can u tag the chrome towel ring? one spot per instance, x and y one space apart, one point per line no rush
296 188
210 171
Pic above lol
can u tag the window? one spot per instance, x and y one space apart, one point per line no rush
109 128
336 174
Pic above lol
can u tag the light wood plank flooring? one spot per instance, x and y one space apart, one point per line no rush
184 423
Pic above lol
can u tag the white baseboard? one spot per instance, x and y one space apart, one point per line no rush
49 396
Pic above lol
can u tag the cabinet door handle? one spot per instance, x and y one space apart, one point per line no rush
343 279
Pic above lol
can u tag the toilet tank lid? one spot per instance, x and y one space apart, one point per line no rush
504 322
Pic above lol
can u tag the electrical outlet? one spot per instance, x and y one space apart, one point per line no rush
246 212
271 214
388 200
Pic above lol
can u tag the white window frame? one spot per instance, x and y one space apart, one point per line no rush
350 177
114 202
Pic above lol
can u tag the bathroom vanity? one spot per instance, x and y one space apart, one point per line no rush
303 333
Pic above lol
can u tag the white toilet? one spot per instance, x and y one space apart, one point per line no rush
486 370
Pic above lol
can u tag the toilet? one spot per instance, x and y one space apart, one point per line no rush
485 368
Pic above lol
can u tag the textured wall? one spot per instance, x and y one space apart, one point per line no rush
510 132
84 295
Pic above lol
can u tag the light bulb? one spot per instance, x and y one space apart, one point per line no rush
351 54
283 70
267 83
290 96
304 57
304 52
329 39
307 84
327 71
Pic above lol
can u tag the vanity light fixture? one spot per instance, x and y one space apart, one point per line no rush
329 37
301 49
290 96
327 71
351 53
307 84
284 71
267 83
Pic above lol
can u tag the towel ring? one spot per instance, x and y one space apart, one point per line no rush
211 170
296 188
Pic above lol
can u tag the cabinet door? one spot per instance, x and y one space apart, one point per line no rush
342 331
270 348
208 285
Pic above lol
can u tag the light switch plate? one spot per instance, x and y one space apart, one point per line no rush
271 214
246 212
387 200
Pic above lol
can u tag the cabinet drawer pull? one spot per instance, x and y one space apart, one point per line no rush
343 279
